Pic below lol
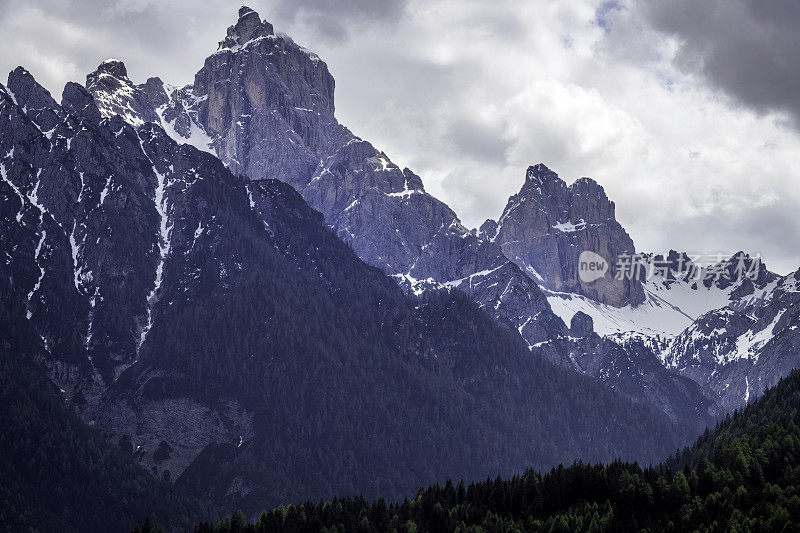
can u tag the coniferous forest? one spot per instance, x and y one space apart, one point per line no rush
742 476
57 474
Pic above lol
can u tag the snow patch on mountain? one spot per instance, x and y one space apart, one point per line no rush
668 309
749 344
4 177
197 136
164 247
569 227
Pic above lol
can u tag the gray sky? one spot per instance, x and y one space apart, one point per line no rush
687 112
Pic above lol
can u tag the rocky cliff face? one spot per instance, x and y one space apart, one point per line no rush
97 228
547 225
611 361
84 189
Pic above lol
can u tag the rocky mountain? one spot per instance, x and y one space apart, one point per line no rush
547 225
216 330
705 318
634 367
740 350
265 106
545 229
714 321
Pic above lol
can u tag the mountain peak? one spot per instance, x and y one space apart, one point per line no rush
35 99
586 182
112 67
541 181
79 101
248 28
27 89
547 225
115 94
539 172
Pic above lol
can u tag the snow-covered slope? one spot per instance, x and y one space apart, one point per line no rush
737 351
673 299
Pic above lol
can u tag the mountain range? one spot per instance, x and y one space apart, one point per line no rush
260 307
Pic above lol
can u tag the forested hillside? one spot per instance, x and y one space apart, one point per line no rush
57 474
743 476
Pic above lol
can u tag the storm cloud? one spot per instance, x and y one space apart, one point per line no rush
747 48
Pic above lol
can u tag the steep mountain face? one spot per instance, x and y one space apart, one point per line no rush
83 197
56 473
544 229
220 333
704 318
634 368
726 325
547 225
265 106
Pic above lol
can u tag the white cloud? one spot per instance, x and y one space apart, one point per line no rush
686 168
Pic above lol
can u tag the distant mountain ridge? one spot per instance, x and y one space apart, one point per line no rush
724 322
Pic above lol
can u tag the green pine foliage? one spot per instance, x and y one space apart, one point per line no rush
743 476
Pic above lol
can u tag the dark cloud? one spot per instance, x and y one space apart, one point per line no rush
747 48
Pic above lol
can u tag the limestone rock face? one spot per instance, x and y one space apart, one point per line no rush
581 325
268 106
258 87
547 225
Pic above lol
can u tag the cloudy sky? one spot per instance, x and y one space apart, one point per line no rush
687 112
